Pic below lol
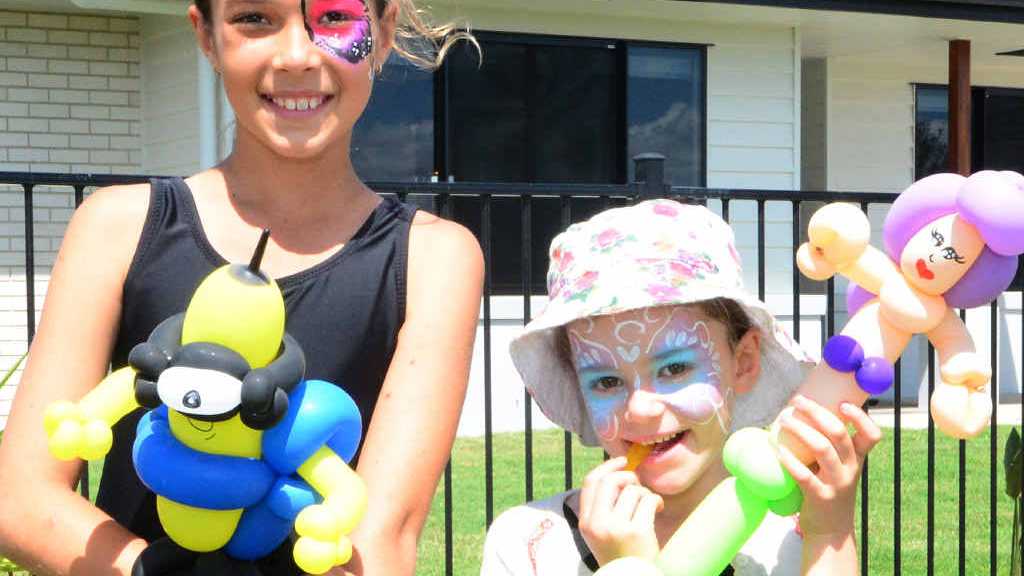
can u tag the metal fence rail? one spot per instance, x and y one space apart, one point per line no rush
442 196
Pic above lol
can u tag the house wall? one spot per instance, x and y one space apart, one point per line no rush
69 102
170 128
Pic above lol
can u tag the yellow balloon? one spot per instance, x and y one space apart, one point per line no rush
97 439
65 442
57 413
318 521
344 550
234 308
315 556
197 529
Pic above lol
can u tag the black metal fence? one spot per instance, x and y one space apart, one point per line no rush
444 196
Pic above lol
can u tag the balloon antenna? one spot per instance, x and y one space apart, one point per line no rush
257 256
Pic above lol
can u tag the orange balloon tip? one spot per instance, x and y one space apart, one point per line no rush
636 455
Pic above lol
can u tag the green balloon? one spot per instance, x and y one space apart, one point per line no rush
750 456
714 532
788 505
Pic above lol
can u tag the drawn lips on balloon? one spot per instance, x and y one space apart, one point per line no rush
923 271
340 27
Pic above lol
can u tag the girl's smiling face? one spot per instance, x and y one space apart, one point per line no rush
665 377
297 74
939 254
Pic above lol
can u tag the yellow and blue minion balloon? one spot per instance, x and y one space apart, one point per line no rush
238 447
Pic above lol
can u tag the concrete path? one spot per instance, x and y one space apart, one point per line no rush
917 418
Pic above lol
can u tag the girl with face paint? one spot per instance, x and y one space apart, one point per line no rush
650 346
358 272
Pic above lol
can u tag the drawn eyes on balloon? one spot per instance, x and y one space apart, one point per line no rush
939 238
951 254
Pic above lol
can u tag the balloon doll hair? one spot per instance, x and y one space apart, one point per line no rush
992 202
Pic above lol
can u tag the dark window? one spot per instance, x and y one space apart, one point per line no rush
666 110
534 112
394 139
536 109
997 133
931 134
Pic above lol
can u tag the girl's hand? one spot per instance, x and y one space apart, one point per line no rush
617 513
829 485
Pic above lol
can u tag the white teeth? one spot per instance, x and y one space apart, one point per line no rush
661 439
299 103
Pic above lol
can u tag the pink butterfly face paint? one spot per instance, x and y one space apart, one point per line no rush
665 351
340 28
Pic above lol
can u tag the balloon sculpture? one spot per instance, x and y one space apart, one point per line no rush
951 242
237 446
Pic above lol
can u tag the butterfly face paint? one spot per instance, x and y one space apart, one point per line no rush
666 351
340 27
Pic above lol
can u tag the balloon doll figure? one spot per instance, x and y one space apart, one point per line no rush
951 242
237 446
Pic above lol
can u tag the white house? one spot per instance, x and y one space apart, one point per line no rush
746 94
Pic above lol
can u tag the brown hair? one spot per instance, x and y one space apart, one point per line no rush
417 39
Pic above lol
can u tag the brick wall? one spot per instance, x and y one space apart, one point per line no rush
69 102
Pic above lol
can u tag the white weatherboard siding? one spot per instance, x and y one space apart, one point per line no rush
170 96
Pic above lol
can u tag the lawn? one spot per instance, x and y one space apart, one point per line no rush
548 469
468 508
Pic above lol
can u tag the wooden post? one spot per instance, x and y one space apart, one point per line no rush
960 106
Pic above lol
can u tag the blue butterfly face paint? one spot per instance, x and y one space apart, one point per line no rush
667 352
340 28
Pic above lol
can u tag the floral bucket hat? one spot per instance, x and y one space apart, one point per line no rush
655 253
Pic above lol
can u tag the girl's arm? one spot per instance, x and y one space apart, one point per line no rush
46 526
829 485
413 426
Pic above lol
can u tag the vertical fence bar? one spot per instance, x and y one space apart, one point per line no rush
527 277
566 208
30 264
993 446
796 271
79 195
962 494
445 209
760 251
485 233
725 209
864 476
930 554
897 478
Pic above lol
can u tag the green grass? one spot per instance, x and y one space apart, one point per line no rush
468 508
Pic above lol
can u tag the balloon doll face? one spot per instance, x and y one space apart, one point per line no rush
297 73
940 253
657 376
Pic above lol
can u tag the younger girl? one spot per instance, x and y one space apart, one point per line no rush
359 273
649 338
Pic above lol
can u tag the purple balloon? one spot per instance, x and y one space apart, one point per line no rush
875 375
843 353
856 297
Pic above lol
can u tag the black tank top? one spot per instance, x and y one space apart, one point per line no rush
345 312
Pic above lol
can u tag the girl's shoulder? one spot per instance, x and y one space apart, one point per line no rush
113 217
